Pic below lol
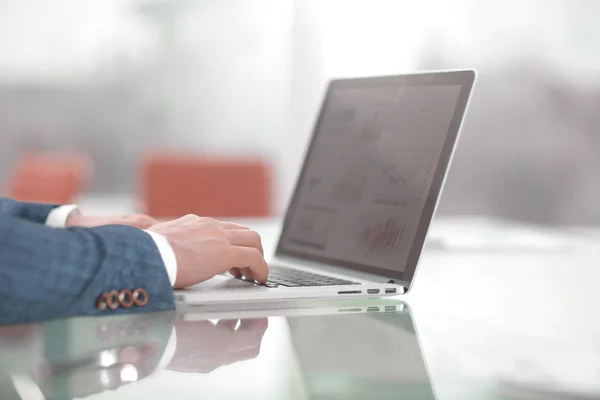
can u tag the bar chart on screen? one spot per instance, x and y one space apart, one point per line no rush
380 233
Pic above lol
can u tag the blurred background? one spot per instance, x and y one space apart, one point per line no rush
105 101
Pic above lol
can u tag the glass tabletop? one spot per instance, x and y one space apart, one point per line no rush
348 349
351 349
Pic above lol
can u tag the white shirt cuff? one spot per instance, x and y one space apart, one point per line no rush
167 254
57 218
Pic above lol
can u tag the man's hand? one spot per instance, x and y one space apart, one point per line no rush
205 247
140 221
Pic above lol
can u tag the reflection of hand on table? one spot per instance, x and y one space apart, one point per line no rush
203 346
127 350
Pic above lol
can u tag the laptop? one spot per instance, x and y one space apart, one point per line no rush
366 194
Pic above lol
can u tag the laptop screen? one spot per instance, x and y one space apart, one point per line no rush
374 170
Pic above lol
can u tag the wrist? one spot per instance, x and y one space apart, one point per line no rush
73 218
167 254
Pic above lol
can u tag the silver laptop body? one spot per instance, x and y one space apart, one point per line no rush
367 192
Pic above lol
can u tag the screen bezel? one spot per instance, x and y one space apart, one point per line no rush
463 78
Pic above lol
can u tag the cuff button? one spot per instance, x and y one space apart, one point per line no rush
126 298
101 302
112 300
140 297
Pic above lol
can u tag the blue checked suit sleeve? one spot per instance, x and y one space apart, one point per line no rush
34 212
48 273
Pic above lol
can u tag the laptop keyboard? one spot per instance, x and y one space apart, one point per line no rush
295 278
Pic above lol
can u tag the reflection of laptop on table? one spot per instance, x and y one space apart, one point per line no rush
354 356
342 349
366 194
